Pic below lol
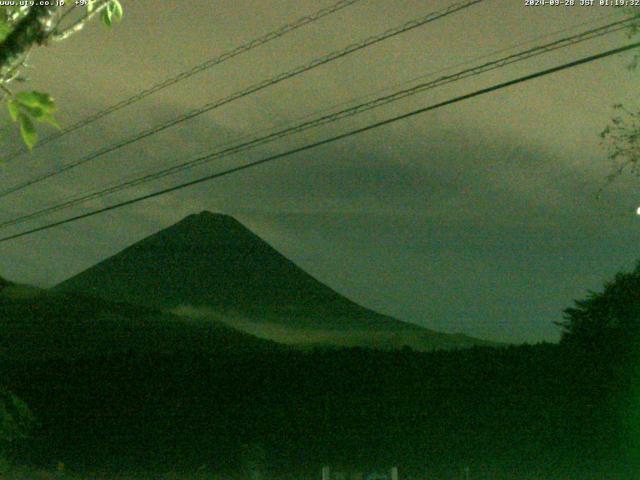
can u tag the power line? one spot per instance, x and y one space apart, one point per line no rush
252 89
250 45
466 62
333 117
329 140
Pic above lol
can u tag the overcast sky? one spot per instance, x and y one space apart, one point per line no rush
480 217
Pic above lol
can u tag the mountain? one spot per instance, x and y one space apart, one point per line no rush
211 266
214 261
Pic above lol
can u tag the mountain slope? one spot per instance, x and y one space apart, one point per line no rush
211 262
4 283
36 325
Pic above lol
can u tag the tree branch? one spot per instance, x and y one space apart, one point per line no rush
79 23
33 29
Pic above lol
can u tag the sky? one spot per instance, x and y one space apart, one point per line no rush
481 217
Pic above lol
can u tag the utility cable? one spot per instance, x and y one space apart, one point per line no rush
246 47
330 118
329 140
248 91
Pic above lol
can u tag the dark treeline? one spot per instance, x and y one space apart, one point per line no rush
543 411
165 395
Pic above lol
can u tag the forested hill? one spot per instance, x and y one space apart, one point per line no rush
526 412
41 325
169 403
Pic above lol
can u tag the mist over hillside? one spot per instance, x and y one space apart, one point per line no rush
39 324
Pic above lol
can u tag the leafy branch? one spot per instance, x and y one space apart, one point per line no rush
25 107
24 27
110 11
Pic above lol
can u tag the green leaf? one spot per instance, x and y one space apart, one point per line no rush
14 109
51 121
5 29
28 106
36 100
112 12
27 130
106 16
117 11
35 112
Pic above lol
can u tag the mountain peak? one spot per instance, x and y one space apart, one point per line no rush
206 259
209 218
207 215
206 220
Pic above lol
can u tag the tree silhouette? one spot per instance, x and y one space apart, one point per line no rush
605 328
609 318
